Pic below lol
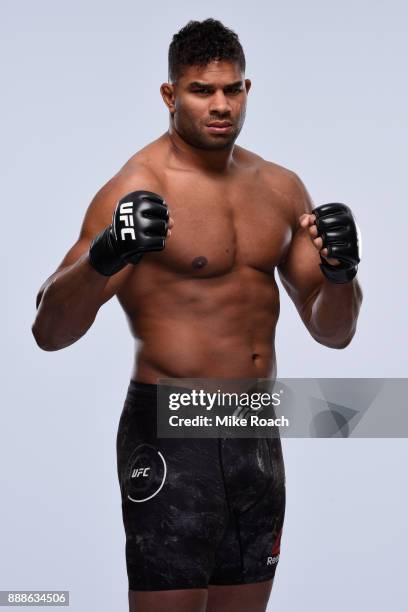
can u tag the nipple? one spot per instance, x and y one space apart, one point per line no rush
199 262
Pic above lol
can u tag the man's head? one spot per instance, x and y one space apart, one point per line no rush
206 84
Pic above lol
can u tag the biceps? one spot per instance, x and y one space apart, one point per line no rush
300 273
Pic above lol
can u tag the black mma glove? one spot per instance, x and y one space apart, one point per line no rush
139 224
341 237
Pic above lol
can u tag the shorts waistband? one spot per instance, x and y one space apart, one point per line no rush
149 391
137 388
144 396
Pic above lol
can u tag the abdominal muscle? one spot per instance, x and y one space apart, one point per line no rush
186 353
207 328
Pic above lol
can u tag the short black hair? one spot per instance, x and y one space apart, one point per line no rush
200 42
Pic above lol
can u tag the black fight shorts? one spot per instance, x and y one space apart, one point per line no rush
196 511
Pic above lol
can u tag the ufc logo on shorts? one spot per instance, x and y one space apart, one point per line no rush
126 217
140 472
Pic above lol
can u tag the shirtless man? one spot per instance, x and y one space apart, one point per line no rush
206 223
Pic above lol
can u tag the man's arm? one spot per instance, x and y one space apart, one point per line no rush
328 310
68 301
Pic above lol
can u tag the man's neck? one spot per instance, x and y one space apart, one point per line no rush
211 161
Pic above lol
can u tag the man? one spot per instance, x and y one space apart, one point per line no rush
187 235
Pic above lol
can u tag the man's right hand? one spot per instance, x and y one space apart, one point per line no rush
139 225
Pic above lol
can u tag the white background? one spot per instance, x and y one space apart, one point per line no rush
80 94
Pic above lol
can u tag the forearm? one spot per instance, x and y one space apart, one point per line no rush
333 312
69 305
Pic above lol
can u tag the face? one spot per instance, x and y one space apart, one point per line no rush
206 94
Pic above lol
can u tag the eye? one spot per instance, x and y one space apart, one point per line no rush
234 90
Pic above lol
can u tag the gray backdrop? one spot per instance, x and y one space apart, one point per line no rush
80 94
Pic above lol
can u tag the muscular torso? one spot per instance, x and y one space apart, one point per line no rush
207 306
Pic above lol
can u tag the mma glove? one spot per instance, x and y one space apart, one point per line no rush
139 225
341 237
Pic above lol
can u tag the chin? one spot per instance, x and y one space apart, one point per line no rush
218 144
208 142
218 141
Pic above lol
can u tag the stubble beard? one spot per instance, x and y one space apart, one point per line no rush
199 139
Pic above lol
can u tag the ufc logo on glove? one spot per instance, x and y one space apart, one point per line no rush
126 217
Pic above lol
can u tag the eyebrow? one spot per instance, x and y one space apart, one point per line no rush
210 85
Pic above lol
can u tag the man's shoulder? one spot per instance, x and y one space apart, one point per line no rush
143 163
290 187
137 173
283 183
268 169
281 178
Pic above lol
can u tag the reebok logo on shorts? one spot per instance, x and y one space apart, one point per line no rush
274 558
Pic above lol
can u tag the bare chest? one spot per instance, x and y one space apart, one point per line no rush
220 224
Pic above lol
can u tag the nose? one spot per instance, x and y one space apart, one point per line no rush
219 103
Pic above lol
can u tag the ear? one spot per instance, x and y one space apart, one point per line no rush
248 84
167 93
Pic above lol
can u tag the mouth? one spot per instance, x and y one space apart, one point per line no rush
219 127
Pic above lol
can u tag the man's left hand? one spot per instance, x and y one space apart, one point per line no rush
336 236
